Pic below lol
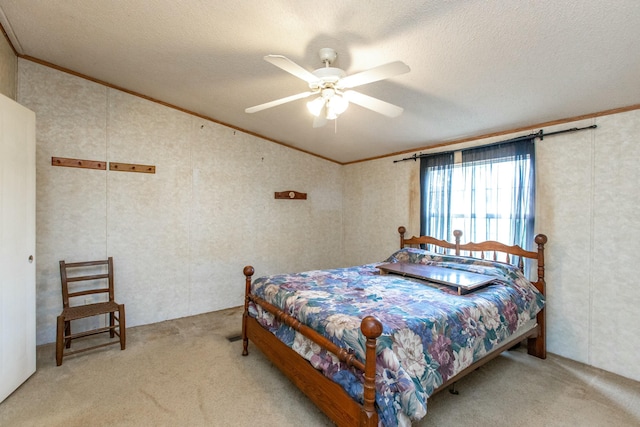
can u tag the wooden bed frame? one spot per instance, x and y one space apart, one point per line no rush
331 397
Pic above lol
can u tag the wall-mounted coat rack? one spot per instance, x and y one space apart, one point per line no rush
291 195
78 163
130 167
95 164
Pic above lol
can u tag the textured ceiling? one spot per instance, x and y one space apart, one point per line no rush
477 66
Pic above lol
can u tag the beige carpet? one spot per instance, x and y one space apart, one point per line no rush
186 372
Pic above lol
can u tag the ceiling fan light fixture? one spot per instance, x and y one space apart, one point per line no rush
333 106
316 105
338 104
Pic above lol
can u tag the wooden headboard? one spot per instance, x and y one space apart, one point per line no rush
513 255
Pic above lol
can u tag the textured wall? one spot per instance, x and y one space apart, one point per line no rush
615 302
377 200
587 202
8 69
180 237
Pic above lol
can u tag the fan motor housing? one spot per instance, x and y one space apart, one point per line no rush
328 76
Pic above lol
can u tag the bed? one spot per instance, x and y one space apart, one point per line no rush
369 348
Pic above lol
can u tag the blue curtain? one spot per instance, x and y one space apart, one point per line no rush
489 196
436 174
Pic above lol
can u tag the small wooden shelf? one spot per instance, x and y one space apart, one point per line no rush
290 195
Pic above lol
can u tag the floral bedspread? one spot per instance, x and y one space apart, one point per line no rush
429 333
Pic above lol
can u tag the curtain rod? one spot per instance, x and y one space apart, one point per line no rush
540 134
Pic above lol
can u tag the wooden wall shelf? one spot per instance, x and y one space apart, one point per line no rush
291 195
78 163
130 167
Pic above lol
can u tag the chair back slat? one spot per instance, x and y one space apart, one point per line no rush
88 292
91 284
83 278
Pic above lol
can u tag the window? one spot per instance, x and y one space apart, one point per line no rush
489 194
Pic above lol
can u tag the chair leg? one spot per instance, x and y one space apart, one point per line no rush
60 340
112 322
67 332
122 327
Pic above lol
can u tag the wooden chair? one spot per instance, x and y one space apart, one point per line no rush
92 284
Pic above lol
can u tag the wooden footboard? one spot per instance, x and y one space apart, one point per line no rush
326 394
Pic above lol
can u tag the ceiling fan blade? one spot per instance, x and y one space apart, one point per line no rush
291 67
373 75
278 102
373 104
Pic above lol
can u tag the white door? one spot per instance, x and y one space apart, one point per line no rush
17 245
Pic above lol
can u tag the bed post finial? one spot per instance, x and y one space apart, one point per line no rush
457 234
402 230
371 328
248 272
540 240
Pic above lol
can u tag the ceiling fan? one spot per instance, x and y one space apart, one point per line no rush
333 87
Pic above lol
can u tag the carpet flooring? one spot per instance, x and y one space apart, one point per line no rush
187 372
